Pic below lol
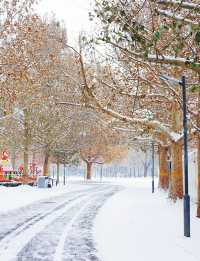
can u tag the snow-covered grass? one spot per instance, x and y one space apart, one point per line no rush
138 225
16 197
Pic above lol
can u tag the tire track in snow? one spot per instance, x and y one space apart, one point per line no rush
15 219
11 244
59 253
83 248
43 245
49 243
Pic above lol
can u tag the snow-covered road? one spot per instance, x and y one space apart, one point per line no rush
56 229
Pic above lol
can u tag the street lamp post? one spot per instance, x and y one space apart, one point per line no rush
186 199
169 168
185 130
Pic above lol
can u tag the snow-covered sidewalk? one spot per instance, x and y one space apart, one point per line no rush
137 225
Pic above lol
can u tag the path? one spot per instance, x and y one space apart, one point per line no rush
56 229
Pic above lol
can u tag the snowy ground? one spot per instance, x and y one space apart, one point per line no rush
55 228
137 225
15 197
114 220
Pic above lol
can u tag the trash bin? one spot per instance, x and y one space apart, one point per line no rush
42 182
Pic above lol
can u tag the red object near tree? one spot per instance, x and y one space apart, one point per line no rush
31 168
4 155
1 169
21 168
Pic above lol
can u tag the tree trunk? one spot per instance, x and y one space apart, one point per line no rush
145 170
177 172
176 184
145 165
13 158
198 181
46 165
163 169
26 142
89 170
58 172
33 163
25 173
198 159
64 177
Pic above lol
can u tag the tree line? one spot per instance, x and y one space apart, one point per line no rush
109 92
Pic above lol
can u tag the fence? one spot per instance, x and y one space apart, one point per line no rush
116 171
101 171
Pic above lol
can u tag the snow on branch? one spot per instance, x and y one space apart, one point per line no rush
176 136
176 17
163 59
147 123
183 4
132 120
11 115
133 95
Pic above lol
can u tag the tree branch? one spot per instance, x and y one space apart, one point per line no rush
183 4
176 17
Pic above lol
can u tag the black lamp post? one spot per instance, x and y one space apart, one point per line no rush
169 168
186 195
182 82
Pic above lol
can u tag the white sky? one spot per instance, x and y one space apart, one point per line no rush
73 12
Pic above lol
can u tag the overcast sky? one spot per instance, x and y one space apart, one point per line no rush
73 12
